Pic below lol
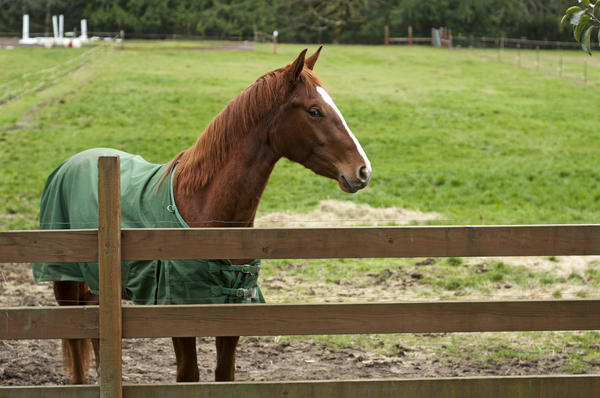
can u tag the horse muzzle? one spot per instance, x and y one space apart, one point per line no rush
356 183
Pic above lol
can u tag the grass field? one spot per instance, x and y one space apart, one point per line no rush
478 141
569 64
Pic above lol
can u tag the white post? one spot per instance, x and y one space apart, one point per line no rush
55 27
25 27
61 26
84 29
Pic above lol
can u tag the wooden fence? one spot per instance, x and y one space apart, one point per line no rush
441 37
108 321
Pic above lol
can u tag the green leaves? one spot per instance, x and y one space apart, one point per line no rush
585 41
571 10
583 21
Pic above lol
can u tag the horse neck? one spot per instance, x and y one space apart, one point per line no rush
230 197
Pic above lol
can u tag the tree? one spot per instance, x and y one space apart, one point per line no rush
583 20
234 18
336 14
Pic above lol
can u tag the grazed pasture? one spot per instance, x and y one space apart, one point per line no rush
469 140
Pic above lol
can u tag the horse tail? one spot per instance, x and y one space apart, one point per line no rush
77 355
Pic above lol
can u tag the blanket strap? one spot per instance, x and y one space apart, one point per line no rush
246 269
241 293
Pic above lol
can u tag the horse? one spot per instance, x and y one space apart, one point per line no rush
217 182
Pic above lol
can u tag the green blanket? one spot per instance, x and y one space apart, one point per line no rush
70 201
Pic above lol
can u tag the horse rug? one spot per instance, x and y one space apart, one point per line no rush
70 201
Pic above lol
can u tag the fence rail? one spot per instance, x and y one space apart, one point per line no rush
441 37
305 319
269 243
491 387
109 244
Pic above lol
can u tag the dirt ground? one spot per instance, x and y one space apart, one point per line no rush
38 362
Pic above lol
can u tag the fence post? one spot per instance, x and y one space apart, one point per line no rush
410 38
560 65
109 269
386 35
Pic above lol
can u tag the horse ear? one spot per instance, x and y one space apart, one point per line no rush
310 61
295 68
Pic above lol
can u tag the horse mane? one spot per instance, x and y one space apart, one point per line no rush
197 165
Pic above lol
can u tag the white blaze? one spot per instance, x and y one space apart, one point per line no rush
327 98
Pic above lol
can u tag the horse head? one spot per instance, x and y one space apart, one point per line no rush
313 132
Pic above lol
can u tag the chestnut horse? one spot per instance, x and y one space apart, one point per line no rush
220 179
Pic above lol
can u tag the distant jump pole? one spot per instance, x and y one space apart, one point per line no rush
55 26
26 27
61 26
275 34
84 35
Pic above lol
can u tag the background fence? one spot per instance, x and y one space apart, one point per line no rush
556 58
441 37
109 245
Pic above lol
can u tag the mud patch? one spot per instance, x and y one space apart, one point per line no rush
334 213
37 362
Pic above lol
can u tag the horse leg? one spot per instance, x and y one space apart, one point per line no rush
226 346
187 360
76 352
92 299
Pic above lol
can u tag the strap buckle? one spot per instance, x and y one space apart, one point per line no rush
250 269
243 293
246 293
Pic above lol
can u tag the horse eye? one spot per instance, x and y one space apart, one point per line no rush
314 112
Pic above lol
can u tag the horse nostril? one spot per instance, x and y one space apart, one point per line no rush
364 174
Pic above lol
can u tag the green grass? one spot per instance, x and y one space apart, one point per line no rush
27 62
27 70
568 64
399 279
478 141
487 353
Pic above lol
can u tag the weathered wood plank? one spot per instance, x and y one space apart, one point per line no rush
407 40
285 319
50 392
292 319
359 242
459 241
490 387
49 245
72 322
109 259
